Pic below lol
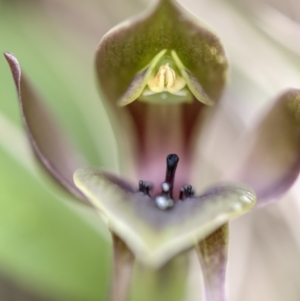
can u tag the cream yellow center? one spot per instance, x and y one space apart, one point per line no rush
166 79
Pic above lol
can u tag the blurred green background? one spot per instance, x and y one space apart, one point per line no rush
52 248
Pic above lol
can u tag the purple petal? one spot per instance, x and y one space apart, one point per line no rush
272 162
46 138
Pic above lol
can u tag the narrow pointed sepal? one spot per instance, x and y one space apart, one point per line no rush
212 253
50 145
127 49
155 235
123 263
272 151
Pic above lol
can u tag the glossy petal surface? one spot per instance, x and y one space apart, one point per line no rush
272 161
48 142
156 235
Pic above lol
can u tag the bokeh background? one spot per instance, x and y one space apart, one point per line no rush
54 249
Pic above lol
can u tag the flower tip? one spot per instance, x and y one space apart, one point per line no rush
78 174
14 67
124 102
6 54
172 160
10 57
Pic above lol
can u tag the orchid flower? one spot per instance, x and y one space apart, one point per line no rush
161 75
